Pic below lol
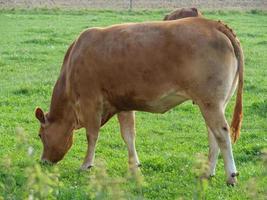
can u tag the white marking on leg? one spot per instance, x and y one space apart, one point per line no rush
229 163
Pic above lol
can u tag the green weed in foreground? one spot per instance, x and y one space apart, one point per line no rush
32 47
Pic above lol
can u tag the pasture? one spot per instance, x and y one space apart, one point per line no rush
170 146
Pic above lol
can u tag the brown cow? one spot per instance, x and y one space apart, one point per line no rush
183 13
129 117
150 67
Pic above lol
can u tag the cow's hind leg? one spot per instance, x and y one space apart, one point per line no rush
127 127
215 120
213 152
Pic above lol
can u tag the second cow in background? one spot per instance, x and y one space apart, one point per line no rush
183 13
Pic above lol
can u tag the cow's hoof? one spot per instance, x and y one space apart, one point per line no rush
211 176
85 167
235 174
45 162
135 168
232 181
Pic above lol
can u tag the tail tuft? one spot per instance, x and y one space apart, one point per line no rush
236 127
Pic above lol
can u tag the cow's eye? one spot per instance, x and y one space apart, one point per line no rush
39 135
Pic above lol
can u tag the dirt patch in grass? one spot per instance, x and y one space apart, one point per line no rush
138 4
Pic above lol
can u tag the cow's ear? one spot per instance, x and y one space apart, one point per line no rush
39 114
166 17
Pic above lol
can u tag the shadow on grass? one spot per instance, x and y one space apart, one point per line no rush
254 88
264 43
31 90
250 154
22 91
259 108
44 41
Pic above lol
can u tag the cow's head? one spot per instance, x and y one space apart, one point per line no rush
56 136
183 13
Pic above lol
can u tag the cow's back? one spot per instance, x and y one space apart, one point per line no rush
141 66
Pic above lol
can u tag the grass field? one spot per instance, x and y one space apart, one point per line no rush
32 47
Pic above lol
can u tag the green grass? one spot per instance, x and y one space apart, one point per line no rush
32 47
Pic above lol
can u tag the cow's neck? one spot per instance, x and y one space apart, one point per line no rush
60 108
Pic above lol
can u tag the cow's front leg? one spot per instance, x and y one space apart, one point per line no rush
213 153
127 127
92 132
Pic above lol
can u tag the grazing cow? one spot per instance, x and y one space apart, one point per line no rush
129 117
149 67
183 13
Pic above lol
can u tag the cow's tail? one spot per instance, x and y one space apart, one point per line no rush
238 112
